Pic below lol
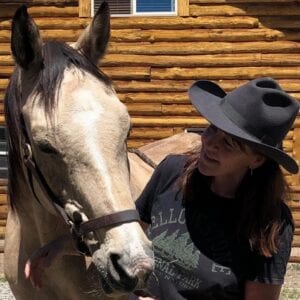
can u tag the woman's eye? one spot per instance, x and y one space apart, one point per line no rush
229 144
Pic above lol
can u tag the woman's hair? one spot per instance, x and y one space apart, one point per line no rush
259 199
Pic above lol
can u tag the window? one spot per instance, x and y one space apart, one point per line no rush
139 7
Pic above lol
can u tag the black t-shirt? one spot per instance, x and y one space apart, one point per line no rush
197 254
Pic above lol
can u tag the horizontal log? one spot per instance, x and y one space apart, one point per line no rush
296 241
3 182
295 197
150 133
168 121
6 71
180 110
3 83
290 135
161 109
246 9
144 109
184 23
3 199
196 35
219 60
201 35
150 97
220 73
5 49
296 189
297 123
145 23
67 35
2 232
133 73
186 48
290 179
151 86
8 11
3 190
296 96
294 205
52 23
296 215
3 209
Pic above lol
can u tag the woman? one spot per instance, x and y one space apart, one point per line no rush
219 226
218 223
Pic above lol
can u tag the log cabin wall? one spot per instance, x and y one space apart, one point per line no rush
153 60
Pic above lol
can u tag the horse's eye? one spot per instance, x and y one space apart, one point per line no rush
46 147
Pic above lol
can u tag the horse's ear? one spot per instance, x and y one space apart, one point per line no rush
94 39
26 44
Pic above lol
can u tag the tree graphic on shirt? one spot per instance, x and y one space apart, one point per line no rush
177 248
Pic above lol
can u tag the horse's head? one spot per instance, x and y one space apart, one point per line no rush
70 115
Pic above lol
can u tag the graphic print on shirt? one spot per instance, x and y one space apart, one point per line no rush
176 257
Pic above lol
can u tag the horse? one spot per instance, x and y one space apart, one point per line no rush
69 169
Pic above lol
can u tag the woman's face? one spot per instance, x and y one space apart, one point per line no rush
222 155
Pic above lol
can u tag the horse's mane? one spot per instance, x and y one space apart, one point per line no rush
57 56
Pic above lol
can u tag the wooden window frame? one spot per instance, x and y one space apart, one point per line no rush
85 8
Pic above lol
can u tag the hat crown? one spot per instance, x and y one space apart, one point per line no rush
262 108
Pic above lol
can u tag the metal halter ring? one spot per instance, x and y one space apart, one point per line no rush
27 151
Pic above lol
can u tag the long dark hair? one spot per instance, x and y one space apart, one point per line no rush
260 196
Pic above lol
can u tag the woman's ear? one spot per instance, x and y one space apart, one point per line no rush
258 160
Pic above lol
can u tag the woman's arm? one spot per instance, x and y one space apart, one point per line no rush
261 291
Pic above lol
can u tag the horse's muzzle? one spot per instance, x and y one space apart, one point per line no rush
124 274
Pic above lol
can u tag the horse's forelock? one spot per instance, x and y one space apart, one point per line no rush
57 56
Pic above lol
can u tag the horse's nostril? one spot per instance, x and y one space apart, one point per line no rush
119 273
117 269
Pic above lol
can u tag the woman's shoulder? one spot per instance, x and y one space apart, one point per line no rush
173 163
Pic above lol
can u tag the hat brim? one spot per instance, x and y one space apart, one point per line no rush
206 96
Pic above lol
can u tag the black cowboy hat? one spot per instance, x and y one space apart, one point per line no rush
259 113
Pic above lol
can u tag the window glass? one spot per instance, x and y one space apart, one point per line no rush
128 7
155 6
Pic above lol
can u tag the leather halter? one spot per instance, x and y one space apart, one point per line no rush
78 230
